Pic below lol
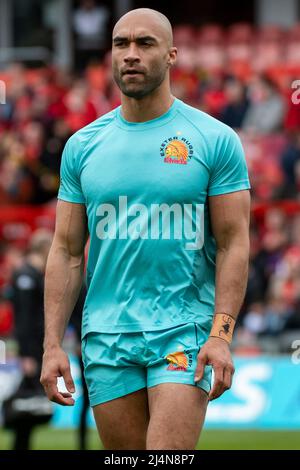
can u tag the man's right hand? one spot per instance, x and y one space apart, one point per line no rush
56 364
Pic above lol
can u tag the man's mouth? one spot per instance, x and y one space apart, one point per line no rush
132 72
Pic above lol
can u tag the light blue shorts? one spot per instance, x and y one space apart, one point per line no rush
116 364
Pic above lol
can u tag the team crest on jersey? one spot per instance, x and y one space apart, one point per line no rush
176 150
179 360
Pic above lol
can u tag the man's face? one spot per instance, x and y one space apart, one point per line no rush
140 57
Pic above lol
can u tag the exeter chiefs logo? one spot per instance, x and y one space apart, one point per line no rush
179 360
176 150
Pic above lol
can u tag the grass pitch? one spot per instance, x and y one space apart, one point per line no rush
47 438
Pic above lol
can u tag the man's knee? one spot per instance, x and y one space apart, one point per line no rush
170 443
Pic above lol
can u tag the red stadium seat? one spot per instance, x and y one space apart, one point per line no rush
211 34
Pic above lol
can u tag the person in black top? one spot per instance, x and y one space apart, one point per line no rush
234 112
27 296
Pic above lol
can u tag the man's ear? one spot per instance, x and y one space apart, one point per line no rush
173 56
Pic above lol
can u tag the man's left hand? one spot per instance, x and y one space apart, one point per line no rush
216 352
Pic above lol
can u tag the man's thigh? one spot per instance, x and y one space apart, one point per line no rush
122 423
177 413
117 389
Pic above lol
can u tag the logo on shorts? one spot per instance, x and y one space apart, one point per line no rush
176 150
179 360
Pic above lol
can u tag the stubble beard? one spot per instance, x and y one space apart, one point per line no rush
139 90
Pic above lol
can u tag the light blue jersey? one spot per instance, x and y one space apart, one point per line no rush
151 262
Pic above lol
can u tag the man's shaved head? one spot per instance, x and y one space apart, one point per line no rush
142 52
144 16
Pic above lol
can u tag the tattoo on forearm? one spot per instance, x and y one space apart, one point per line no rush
223 326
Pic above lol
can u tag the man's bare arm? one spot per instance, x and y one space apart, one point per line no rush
63 281
64 270
230 214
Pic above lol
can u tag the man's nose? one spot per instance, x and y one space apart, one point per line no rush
132 54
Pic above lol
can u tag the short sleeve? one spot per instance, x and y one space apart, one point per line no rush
70 187
229 172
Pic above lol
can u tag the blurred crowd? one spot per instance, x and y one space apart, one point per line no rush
242 76
272 304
